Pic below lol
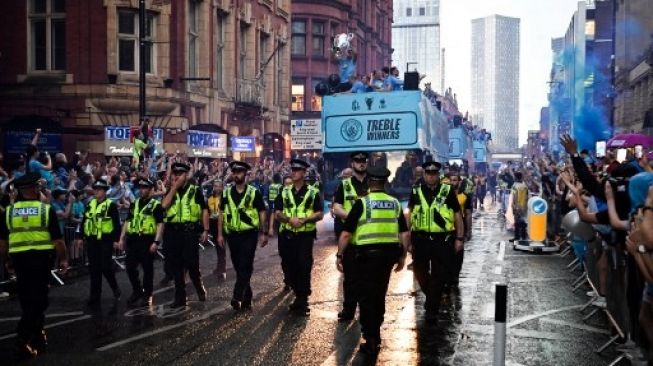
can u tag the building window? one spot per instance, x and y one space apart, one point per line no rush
422 11
279 74
298 95
219 50
193 37
263 52
128 48
409 12
47 20
316 100
318 39
242 45
299 38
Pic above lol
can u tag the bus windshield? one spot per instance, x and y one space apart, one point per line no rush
401 164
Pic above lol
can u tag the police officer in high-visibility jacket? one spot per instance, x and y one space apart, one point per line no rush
243 222
187 215
298 209
102 229
437 233
348 191
377 232
30 234
143 230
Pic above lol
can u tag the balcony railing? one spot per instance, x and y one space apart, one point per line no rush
250 92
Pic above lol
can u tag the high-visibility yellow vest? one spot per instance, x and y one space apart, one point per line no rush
232 212
302 211
184 209
378 224
349 194
422 214
27 222
273 193
143 222
97 221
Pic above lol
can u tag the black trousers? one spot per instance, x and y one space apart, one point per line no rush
242 247
99 264
434 265
351 282
296 250
221 266
138 252
520 228
183 256
373 268
33 275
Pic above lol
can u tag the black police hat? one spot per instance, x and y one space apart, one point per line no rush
101 184
299 164
145 183
27 180
180 168
359 155
239 165
59 191
378 173
432 166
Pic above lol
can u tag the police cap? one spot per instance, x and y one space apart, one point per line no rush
299 164
180 168
239 165
432 166
101 184
359 155
145 183
378 173
59 191
28 180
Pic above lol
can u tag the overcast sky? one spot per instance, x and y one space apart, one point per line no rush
541 20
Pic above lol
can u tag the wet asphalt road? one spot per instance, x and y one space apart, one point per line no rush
545 324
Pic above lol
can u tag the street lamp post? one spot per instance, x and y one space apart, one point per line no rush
142 62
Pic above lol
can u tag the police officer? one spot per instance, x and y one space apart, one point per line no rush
437 233
349 190
144 230
243 222
101 225
298 209
377 233
186 215
30 234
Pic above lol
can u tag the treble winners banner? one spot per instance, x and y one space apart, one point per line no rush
372 121
206 144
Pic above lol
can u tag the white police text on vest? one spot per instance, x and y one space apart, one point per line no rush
25 211
382 205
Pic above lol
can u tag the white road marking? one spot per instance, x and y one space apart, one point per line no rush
54 315
502 251
151 333
524 319
575 325
63 322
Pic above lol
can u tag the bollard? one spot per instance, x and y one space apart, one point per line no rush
500 311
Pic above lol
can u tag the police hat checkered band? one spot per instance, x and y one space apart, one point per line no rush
359 155
145 183
432 166
27 180
180 167
239 165
298 164
100 183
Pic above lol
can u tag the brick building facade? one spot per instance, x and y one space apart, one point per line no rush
75 62
314 24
